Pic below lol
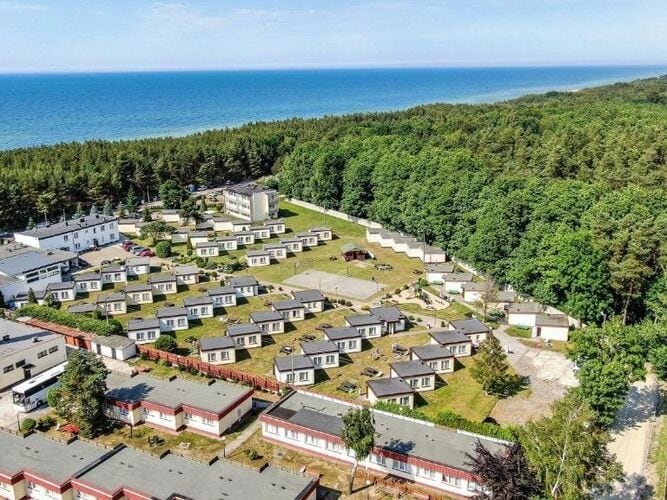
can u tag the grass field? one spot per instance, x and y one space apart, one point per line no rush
517 331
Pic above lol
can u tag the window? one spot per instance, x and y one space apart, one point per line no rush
224 355
352 344
413 383
290 434
380 459
444 364
164 416
212 356
118 306
206 421
65 237
335 447
404 401
140 335
187 416
41 354
399 465
462 349
240 341
122 411
317 360
304 376
271 429
151 335
53 349
8 369
331 359
252 339
451 480
426 381
19 364
473 486
371 331
76 235
181 322
289 378
93 285
341 345
170 322
77 245
311 440
427 473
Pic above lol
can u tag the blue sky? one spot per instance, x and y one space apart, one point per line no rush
116 35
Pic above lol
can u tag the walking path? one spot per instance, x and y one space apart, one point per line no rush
232 446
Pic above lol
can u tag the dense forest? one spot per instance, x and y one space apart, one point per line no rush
561 195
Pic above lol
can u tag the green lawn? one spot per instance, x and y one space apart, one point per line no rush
520 332
658 456
455 310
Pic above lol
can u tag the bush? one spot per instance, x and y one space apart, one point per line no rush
365 308
163 249
45 423
28 424
165 362
85 323
348 303
52 397
252 454
166 343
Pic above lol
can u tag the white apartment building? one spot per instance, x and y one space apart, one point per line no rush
72 235
251 202
26 351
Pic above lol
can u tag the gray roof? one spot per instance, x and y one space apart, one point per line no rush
319 229
295 361
247 189
290 240
182 230
47 458
198 234
20 337
198 300
431 250
184 270
342 333
306 234
213 343
525 308
103 298
84 307
138 261
171 312
284 305
215 398
274 246
308 295
257 253
388 387
413 368
243 329
138 287
393 432
205 225
544 319
260 228
263 316
443 267
457 277
319 347
505 296
69 226
113 268
114 341
207 244
432 351
362 320
243 233
221 290
220 218
91 276
39 294
390 314
473 286
470 326
274 222
235 281
142 324
446 337
161 278
16 259
225 238
351 247
65 285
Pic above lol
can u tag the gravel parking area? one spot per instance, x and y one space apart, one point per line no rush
335 284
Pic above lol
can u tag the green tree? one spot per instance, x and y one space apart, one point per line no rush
31 296
491 369
156 230
131 202
190 211
107 209
31 223
658 358
568 452
78 213
146 214
166 343
358 435
171 194
163 249
80 396
93 209
604 386
45 203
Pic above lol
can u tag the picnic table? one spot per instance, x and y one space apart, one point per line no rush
347 386
286 349
369 371
307 337
322 326
399 349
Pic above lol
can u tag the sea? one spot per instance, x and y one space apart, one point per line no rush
38 109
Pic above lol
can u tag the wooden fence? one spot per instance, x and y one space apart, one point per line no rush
222 372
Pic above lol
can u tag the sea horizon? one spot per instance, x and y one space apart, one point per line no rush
48 108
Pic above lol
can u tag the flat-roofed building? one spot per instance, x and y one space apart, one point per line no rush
138 266
172 319
113 273
256 258
472 292
199 307
177 404
323 233
294 369
250 202
435 272
404 448
417 374
72 235
367 325
139 293
180 235
312 300
458 343
227 243
61 292
217 350
323 353
222 296
438 357
276 251
186 275
347 339
472 328
269 322
523 313
207 249
308 239
453 282
88 282
245 286
552 327
26 351
143 331
292 310
113 303
114 346
392 318
294 245
244 238
261 232
277 226
163 283
245 335
390 390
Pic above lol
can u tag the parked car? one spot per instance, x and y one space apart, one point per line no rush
127 244
147 253
138 250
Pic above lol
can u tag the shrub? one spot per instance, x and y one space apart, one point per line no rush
252 454
52 397
165 362
144 356
166 343
46 422
364 308
163 249
28 424
348 303
85 323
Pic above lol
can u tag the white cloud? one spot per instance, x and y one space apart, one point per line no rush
20 6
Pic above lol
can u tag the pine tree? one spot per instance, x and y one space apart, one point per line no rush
107 209
31 297
146 214
131 201
93 210
31 223
491 368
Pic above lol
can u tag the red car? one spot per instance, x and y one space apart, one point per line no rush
127 244
147 253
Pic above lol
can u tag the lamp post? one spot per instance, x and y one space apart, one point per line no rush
224 447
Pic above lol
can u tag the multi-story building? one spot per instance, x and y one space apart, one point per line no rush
408 449
26 351
72 235
251 202
23 267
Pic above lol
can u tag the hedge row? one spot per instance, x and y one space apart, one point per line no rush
450 419
79 321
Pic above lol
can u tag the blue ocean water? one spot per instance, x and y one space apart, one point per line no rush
45 109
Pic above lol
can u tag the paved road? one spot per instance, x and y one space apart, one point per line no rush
631 435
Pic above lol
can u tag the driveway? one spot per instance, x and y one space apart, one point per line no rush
95 257
549 373
9 417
